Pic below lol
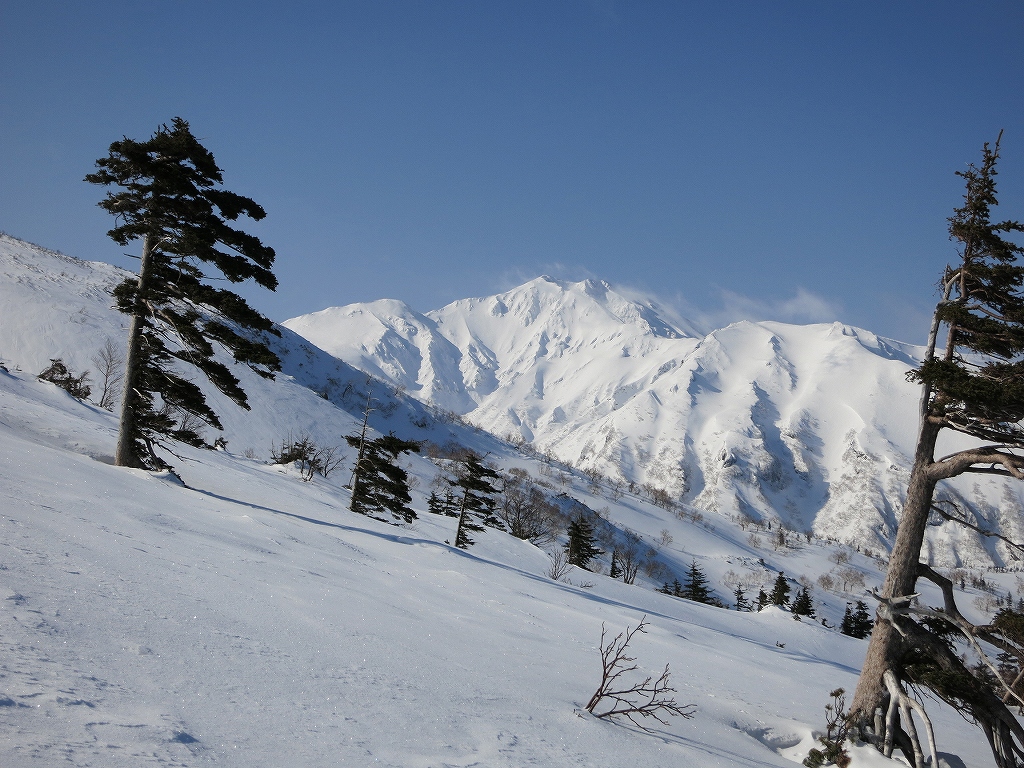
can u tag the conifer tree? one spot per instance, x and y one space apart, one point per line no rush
780 591
614 571
477 507
846 627
972 382
581 547
695 587
859 624
802 604
742 604
169 197
380 485
762 599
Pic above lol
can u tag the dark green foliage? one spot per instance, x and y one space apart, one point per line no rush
977 385
836 731
675 588
762 599
802 604
59 374
614 570
581 547
168 196
740 598
695 586
478 505
780 591
380 485
857 621
442 505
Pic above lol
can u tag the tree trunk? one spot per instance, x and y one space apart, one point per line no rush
885 647
127 454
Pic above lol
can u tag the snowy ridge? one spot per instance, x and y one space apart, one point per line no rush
811 426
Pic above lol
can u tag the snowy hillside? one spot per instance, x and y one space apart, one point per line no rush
242 617
811 426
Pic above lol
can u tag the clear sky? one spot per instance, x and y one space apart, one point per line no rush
768 160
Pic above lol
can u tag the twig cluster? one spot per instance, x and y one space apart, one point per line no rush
649 698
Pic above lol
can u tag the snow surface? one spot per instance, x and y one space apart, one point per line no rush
238 616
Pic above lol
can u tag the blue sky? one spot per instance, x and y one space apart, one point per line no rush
764 160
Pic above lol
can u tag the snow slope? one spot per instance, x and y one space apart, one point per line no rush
241 617
809 426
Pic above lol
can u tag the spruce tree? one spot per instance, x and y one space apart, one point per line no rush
478 505
169 198
802 604
581 546
762 599
846 627
861 623
972 382
780 591
614 571
742 604
380 485
695 587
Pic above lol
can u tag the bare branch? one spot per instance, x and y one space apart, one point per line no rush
647 699
961 519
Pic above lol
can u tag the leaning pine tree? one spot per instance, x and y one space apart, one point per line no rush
168 196
973 383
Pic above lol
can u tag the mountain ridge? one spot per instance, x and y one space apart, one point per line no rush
808 426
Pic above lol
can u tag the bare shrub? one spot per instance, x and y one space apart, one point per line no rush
664 538
826 582
850 578
526 511
309 457
109 362
558 567
649 698
628 555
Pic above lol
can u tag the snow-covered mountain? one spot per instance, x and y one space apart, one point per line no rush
812 426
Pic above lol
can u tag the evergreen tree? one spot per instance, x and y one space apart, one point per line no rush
972 382
762 599
614 571
695 587
380 485
581 546
477 508
434 504
802 605
742 604
780 591
847 626
170 199
860 621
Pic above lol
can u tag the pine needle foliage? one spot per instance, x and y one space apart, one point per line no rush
977 385
380 485
478 505
581 546
167 194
